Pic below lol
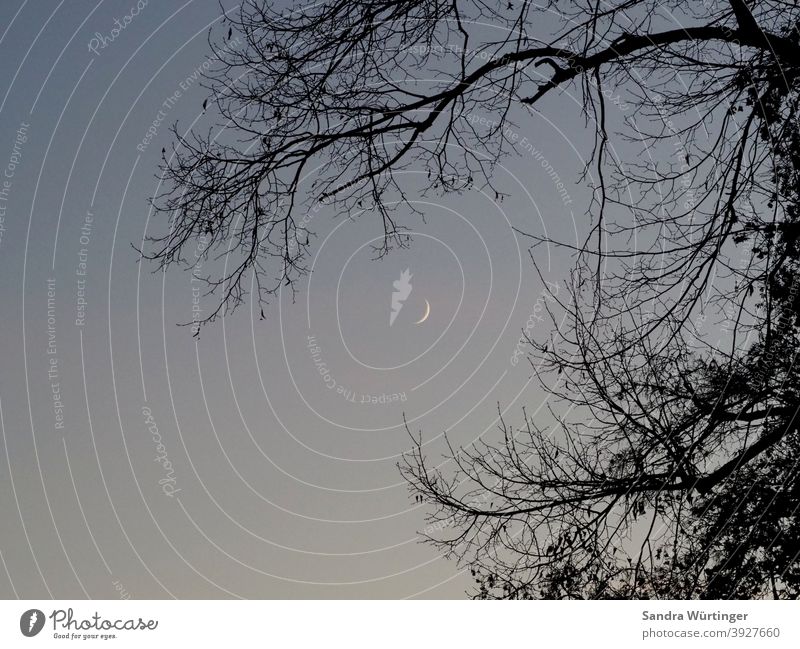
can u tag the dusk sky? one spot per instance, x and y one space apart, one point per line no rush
258 459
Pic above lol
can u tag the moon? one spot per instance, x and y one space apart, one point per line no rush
427 313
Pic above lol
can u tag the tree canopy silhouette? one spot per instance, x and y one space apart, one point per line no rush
673 470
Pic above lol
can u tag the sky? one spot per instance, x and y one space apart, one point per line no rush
258 459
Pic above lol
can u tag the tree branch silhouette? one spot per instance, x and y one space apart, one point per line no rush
671 470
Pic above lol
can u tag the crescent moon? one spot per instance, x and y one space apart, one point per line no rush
427 313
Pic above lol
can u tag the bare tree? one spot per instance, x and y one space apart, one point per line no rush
674 472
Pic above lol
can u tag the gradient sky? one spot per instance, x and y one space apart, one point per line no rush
281 486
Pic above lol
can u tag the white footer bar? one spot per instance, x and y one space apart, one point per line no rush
406 624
